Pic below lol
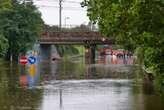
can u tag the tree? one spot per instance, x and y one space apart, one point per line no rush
3 45
5 4
133 23
21 26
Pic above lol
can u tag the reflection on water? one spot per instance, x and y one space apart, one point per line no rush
113 59
29 74
12 95
74 85
104 94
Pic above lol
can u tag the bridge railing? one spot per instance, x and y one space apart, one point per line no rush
84 37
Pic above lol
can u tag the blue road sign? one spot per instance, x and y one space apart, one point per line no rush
31 59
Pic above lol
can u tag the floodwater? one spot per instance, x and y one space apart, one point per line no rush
71 84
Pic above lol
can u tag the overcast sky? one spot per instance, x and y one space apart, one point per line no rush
72 13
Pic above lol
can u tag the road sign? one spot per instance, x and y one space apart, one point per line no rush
23 60
31 59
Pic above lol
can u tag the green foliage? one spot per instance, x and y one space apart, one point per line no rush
5 4
21 26
133 23
3 45
127 20
149 57
81 28
67 50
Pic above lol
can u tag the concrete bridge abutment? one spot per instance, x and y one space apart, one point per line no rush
90 54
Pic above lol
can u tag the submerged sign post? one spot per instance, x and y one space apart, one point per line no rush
23 60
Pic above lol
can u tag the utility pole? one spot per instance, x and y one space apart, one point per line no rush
60 14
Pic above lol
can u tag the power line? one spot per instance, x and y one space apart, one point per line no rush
69 8
73 8
74 2
55 1
46 6
60 7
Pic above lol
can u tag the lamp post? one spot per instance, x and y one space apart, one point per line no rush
65 19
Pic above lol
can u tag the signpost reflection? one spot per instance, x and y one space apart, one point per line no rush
29 73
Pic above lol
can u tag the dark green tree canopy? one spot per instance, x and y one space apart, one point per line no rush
21 26
136 21
133 23
5 4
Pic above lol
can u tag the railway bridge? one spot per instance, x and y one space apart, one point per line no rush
88 39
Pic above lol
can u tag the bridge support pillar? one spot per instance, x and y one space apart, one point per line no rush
90 54
48 52
45 52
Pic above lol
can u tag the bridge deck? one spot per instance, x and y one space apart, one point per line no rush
80 38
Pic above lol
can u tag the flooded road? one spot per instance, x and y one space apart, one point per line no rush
73 85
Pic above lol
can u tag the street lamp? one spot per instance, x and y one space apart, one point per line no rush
65 19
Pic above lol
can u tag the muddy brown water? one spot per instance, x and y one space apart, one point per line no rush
74 85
